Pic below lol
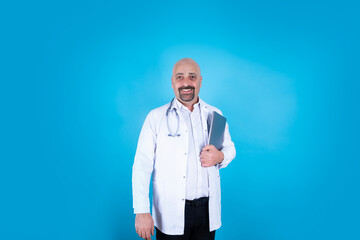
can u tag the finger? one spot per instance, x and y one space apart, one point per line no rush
152 231
212 148
209 147
148 235
205 148
143 235
138 232
207 163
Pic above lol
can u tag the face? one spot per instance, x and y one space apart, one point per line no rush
186 82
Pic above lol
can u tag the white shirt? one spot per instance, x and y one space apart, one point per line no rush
165 159
197 179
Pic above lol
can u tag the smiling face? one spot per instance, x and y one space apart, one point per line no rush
186 81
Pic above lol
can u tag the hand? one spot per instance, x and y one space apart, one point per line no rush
144 225
210 156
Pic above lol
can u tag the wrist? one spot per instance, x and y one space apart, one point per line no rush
141 214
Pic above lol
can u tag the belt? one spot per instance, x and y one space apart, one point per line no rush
198 202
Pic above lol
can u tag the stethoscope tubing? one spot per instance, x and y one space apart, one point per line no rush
176 134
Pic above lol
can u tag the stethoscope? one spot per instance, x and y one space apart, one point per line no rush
176 134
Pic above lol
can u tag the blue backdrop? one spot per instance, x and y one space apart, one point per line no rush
79 77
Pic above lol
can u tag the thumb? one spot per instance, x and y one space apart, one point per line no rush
152 231
206 148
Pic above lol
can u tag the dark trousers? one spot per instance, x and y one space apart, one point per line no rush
196 222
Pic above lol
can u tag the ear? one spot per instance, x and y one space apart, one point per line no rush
200 81
172 85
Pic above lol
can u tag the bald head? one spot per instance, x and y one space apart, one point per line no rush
186 81
186 61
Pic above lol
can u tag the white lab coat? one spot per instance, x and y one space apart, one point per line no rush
165 158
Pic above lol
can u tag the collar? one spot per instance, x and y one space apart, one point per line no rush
177 105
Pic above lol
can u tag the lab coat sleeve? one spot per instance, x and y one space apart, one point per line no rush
228 149
143 166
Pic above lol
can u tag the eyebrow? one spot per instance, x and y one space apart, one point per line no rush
183 74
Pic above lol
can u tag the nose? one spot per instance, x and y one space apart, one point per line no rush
187 81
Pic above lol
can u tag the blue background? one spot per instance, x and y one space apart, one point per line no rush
79 77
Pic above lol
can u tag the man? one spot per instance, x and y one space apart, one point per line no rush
173 148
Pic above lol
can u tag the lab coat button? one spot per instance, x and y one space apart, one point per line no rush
185 153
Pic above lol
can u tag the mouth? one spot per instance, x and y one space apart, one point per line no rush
186 90
187 93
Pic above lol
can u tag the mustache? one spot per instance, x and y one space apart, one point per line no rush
186 87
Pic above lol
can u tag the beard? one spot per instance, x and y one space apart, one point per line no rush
188 96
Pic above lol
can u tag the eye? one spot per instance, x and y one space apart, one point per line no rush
179 77
192 77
